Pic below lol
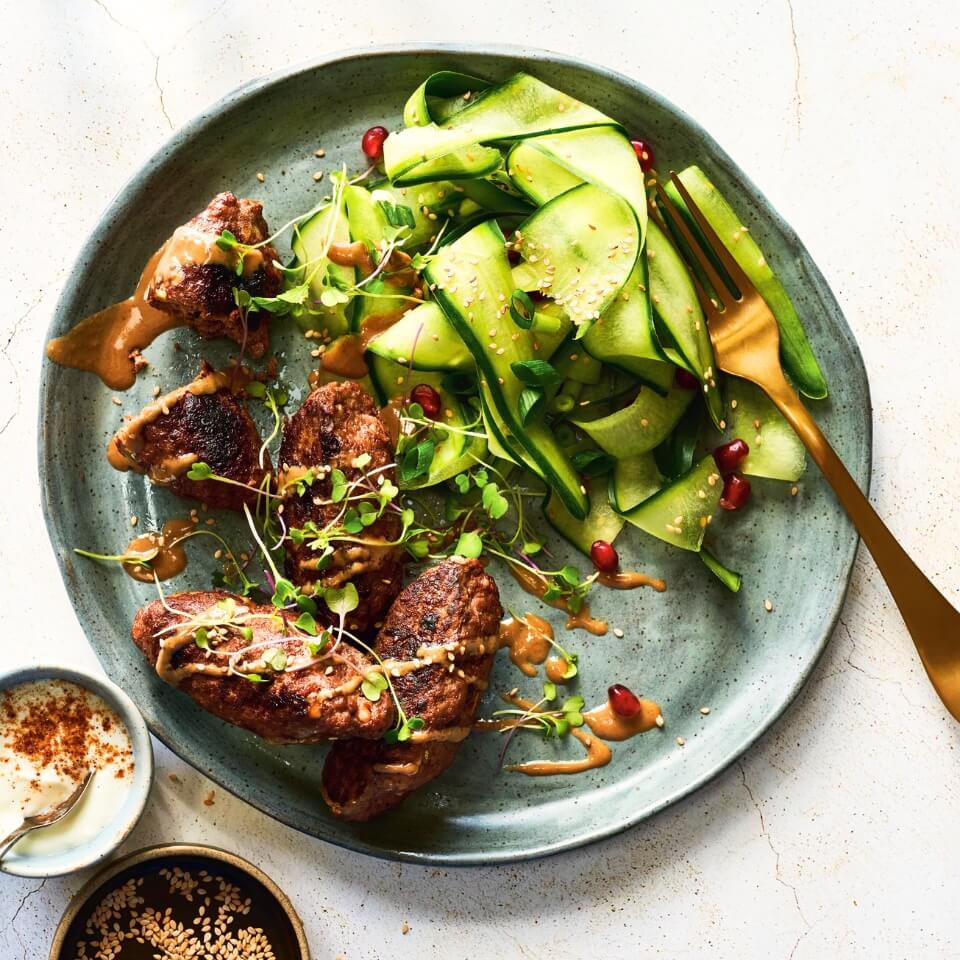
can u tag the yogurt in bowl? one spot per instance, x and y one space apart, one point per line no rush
55 725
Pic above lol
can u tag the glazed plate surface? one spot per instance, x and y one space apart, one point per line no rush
695 645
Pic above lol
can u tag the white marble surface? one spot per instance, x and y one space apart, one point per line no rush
837 835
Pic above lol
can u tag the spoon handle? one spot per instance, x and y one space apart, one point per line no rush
8 841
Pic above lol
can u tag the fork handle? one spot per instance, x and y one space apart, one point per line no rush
933 623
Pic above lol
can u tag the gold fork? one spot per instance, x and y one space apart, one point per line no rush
746 343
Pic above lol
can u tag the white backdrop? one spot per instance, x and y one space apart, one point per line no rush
837 835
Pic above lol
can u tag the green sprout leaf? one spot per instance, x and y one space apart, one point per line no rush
275 659
374 683
201 638
338 485
570 574
316 647
469 544
343 600
256 389
285 592
494 502
200 471
306 623
255 678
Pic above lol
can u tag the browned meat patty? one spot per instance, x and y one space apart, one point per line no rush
203 421
338 423
449 614
290 707
195 279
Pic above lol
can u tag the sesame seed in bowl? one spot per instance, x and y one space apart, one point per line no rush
180 902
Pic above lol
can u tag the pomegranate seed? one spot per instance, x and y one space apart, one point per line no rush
644 154
729 456
604 557
736 491
428 398
685 379
623 701
372 143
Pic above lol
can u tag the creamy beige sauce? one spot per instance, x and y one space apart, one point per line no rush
344 357
598 755
390 417
629 580
163 550
537 586
609 725
604 724
107 342
397 769
125 445
555 669
528 640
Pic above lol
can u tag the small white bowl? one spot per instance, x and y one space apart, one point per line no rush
127 815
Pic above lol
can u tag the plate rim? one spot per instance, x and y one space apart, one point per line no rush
252 88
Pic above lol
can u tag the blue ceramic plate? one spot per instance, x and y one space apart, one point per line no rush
695 645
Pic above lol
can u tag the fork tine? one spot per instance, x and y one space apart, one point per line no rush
706 303
696 250
734 270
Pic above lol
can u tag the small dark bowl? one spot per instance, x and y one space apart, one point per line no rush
272 909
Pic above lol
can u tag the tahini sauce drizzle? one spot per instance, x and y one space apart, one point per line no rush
527 638
105 342
126 443
163 550
537 586
344 358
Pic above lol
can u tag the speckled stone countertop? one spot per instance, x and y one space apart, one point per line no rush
836 835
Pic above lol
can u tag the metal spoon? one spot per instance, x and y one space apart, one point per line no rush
46 817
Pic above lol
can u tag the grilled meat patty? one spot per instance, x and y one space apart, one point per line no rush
454 606
290 706
205 421
197 285
336 424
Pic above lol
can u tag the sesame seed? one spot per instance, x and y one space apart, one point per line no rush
117 401
134 520
618 633
660 722
261 177
156 391
794 491
318 176
768 606
680 741
320 152
705 711
733 404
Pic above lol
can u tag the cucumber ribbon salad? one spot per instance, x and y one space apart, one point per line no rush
520 313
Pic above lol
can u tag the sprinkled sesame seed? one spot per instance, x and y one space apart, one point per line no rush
705 711
794 491
318 176
117 401
680 741
321 153
768 606
134 520
618 633
261 177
